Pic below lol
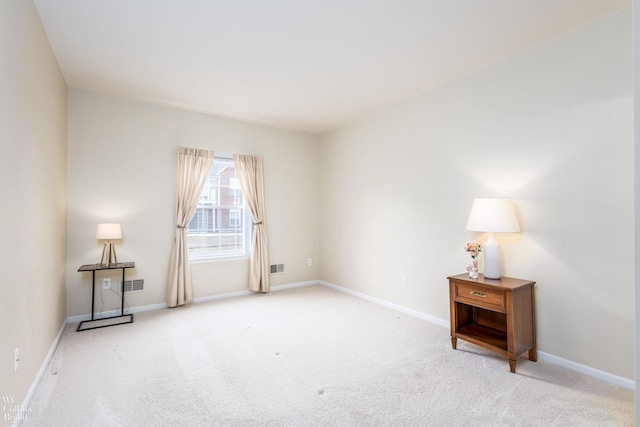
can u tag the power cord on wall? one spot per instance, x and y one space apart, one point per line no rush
118 292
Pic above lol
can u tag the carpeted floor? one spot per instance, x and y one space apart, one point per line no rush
308 356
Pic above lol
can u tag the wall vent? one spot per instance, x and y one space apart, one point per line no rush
277 268
133 285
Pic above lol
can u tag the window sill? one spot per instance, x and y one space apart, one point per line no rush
219 259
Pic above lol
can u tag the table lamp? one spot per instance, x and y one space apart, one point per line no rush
492 215
109 232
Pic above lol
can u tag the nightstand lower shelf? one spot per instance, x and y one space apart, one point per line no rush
486 336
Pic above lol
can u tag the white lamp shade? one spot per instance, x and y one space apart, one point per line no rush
493 215
109 232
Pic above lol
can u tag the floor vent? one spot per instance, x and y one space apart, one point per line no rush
277 268
133 285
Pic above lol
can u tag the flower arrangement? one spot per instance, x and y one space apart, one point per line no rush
474 250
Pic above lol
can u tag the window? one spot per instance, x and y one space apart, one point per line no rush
235 217
221 225
234 187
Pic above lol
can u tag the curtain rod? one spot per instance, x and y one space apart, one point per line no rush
225 156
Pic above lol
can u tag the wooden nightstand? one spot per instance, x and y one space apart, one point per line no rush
498 315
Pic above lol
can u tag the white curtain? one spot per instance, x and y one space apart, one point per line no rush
193 167
250 173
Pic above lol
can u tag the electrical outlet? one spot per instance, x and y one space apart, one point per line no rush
310 262
106 283
404 280
16 359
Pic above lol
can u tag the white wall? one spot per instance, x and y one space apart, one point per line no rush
122 168
550 127
33 191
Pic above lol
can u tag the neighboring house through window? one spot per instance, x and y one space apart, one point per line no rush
221 226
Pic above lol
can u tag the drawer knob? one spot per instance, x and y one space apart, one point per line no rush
478 294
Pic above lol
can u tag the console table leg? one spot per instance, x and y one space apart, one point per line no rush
454 342
122 290
512 365
93 292
533 355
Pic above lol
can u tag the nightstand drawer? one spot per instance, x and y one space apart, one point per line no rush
480 296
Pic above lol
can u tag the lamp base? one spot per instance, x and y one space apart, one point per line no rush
492 268
108 254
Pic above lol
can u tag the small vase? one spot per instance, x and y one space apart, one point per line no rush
473 269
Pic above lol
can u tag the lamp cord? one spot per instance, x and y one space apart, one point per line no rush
119 293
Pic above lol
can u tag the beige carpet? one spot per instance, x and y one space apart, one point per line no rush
307 356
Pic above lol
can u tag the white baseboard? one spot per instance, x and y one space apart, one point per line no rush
221 296
248 292
397 307
587 370
295 285
546 357
143 308
24 408
110 313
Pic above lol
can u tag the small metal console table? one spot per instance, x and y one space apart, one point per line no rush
93 268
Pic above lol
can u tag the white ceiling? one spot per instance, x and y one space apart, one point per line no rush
308 65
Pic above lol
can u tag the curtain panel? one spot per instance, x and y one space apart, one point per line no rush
250 173
193 167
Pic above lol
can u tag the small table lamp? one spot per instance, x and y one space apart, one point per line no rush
109 232
494 215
